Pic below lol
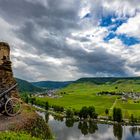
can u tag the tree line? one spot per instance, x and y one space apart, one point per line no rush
83 113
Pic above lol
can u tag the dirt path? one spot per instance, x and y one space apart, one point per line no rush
18 121
113 104
7 122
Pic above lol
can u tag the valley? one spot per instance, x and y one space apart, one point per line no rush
79 94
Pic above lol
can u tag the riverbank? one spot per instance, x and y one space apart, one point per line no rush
66 129
100 119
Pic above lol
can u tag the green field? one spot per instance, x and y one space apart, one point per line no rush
85 94
129 108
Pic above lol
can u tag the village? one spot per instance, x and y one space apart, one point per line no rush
50 93
135 96
131 95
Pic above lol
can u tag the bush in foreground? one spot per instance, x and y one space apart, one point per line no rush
19 136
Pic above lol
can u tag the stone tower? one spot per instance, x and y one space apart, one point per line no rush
6 74
4 51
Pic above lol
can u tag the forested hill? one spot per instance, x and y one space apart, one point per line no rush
51 84
25 86
109 80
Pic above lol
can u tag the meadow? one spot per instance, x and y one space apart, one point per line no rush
78 95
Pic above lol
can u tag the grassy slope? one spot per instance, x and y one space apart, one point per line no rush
103 80
79 95
129 108
84 94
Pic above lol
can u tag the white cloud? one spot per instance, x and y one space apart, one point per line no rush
99 8
131 28
122 8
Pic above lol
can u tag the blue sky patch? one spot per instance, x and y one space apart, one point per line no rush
112 22
111 35
106 21
127 40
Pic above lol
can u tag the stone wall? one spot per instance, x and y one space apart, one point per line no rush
6 74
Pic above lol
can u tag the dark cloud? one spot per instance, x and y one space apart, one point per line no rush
44 30
58 14
135 65
17 12
103 63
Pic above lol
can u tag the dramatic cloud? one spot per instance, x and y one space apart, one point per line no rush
132 27
66 40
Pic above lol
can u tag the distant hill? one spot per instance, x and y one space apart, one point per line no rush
25 86
51 84
103 80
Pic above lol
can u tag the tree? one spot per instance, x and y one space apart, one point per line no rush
106 111
32 100
58 108
69 113
26 99
91 111
46 105
133 120
117 114
86 112
114 114
83 112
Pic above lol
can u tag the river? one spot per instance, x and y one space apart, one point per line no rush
67 129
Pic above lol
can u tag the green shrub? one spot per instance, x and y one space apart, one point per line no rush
69 113
9 135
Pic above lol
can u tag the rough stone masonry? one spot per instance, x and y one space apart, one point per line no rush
6 74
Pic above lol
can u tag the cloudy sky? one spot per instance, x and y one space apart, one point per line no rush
68 39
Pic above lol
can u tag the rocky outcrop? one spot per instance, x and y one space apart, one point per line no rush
6 74
27 121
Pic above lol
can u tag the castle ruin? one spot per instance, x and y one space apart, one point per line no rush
6 74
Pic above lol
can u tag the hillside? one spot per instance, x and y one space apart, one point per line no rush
51 84
25 86
109 80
